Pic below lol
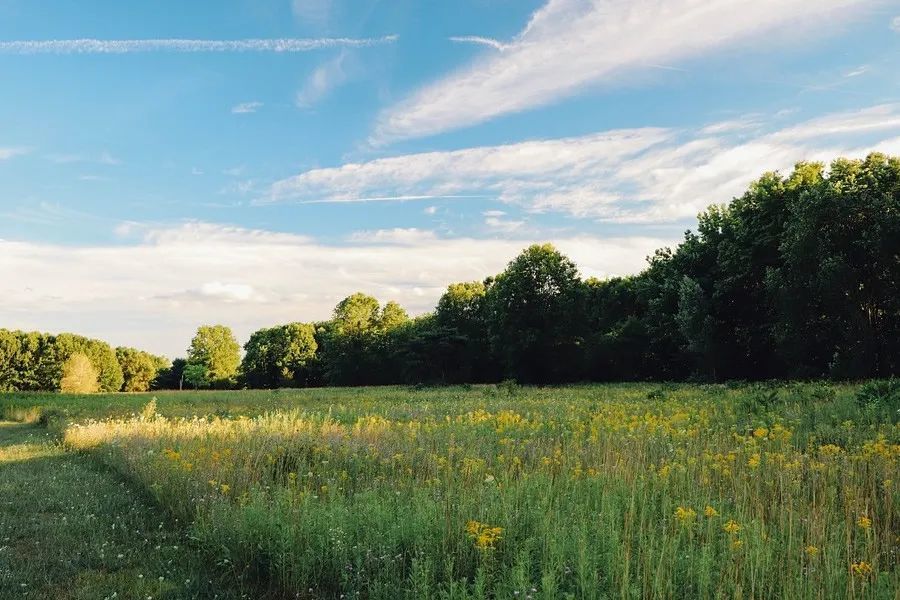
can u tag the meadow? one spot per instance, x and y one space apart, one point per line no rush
599 491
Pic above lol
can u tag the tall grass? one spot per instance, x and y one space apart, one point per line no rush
579 492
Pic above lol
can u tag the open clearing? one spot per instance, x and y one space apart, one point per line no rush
602 491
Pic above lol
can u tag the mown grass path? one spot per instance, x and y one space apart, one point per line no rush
71 529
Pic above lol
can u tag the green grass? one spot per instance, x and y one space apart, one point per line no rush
72 529
601 491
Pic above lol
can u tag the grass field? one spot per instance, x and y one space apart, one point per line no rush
617 491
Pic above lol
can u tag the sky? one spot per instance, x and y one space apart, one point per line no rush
169 164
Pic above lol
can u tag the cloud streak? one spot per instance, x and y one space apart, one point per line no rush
569 45
246 108
95 46
643 175
479 40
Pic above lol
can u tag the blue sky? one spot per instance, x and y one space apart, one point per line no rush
166 164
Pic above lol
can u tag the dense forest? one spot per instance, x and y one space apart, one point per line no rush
797 278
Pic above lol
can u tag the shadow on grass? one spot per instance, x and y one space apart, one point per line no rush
71 529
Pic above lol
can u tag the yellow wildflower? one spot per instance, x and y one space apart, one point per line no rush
685 515
710 512
753 461
861 569
736 544
811 551
484 536
225 488
731 527
760 432
864 522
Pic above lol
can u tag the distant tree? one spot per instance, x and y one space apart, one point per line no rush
279 356
392 316
139 368
215 349
357 314
78 375
461 332
196 375
171 377
533 316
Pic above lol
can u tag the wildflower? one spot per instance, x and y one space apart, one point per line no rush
484 536
731 527
737 544
861 569
829 450
685 515
225 488
760 432
753 461
811 551
864 522
710 512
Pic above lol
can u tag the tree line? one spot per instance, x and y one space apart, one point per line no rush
796 278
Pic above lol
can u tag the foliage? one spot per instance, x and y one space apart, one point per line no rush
795 279
31 361
79 375
139 368
279 356
215 350
547 492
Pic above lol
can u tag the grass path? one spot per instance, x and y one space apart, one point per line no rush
70 530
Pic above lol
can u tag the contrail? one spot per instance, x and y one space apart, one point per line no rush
94 46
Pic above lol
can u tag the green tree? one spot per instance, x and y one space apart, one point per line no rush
79 375
215 349
139 368
534 308
196 375
357 314
279 356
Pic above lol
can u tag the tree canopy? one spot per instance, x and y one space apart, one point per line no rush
796 278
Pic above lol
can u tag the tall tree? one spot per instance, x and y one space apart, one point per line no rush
534 310
215 349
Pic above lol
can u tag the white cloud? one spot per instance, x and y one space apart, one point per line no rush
501 225
633 175
246 107
430 210
857 71
397 236
323 80
155 292
7 153
92 46
895 24
315 11
570 44
481 41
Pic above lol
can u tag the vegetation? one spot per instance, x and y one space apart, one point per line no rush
72 530
505 491
797 278
79 375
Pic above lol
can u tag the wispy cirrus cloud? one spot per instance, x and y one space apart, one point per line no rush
246 107
571 44
644 175
315 11
895 24
322 81
95 46
479 40
7 153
